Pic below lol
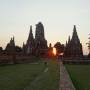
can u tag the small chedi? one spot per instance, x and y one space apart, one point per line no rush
10 48
73 47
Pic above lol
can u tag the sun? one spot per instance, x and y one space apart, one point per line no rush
54 51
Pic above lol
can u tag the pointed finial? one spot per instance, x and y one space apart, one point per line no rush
13 38
30 28
74 26
66 43
23 44
69 39
74 29
50 45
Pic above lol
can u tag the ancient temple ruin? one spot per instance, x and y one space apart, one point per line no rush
73 46
10 48
30 45
38 45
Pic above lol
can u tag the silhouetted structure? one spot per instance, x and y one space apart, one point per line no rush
1 49
10 48
18 49
88 46
50 50
37 46
59 48
24 49
30 45
73 47
40 41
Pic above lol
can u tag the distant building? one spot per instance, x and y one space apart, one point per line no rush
10 48
73 46
24 49
50 50
40 41
38 45
30 45
1 50
59 48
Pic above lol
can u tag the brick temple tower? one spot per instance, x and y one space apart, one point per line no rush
40 41
73 47
30 45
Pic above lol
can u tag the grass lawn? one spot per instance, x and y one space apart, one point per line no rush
30 76
48 80
80 75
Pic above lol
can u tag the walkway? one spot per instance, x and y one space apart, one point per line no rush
65 81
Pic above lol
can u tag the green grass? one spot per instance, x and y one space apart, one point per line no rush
16 77
80 75
49 80
30 76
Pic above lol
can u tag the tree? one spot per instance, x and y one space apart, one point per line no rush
88 46
59 48
18 49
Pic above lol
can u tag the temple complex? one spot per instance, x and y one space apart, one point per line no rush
37 45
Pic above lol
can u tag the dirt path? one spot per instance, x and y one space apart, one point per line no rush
65 81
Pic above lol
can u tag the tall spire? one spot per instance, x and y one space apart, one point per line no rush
75 37
74 30
13 38
39 31
30 42
30 35
74 27
31 29
66 43
69 40
74 48
23 44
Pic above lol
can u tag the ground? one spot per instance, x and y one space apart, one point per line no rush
31 76
80 75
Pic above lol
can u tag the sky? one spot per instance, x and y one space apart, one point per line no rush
57 16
